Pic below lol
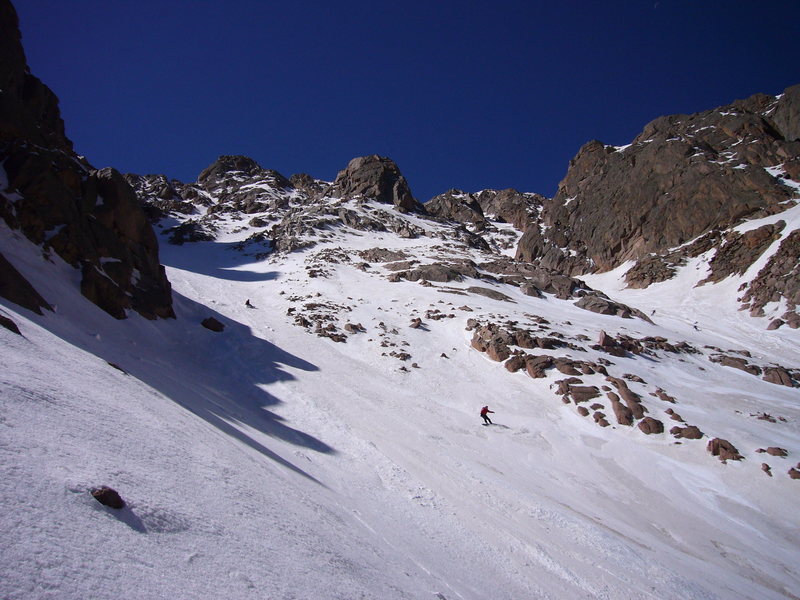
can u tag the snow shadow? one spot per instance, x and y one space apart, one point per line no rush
220 377
127 516
214 259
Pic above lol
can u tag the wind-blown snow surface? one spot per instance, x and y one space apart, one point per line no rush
266 462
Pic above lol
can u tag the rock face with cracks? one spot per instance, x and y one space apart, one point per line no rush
90 218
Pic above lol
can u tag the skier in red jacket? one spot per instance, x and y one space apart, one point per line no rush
484 413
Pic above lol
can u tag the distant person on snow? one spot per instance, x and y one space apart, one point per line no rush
247 303
485 414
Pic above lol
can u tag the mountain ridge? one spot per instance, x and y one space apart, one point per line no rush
281 376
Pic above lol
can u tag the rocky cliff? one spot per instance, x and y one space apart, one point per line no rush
90 218
676 192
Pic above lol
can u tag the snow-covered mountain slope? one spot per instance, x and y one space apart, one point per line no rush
327 443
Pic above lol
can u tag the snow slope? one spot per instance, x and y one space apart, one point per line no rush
267 462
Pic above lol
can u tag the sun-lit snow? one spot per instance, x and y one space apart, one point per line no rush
267 462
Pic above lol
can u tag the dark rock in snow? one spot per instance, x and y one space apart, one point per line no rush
212 324
108 497
9 324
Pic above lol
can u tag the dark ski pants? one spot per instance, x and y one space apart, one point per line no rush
486 419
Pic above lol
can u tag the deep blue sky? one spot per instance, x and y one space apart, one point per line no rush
464 94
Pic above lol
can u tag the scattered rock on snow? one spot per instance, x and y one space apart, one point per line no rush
773 451
689 432
649 425
724 449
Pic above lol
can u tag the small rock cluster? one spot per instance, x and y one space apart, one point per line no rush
776 374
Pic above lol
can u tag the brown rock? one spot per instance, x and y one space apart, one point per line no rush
778 376
375 177
632 399
583 393
456 206
668 186
537 365
737 363
775 451
621 412
583 411
515 363
108 497
565 366
724 449
766 468
662 395
690 432
497 351
606 340
780 278
649 425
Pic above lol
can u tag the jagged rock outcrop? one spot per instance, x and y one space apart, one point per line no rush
596 302
90 218
683 176
378 178
28 108
780 278
510 206
480 208
740 250
456 206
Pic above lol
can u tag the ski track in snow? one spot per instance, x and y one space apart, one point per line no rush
264 462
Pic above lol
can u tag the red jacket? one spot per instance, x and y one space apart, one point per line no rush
485 410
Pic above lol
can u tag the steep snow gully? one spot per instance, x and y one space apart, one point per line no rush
269 461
